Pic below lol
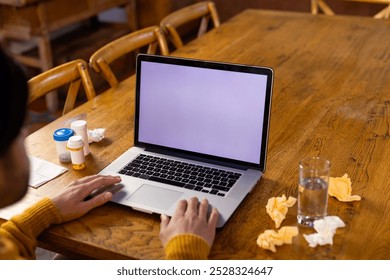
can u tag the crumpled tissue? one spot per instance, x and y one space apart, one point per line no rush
96 135
277 208
325 228
341 188
269 239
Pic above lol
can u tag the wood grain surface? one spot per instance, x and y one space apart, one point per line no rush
331 98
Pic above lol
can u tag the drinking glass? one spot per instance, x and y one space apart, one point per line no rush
312 190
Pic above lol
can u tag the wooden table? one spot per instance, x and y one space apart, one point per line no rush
331 98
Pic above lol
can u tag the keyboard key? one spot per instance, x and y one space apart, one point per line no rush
167 181
224 189
229 185
189 186
213 192
234 177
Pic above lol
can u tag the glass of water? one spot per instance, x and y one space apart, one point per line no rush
312 190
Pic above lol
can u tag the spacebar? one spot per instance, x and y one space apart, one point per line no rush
166 181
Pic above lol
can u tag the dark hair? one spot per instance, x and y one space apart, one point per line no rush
13 101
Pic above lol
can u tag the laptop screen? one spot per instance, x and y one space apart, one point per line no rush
207 108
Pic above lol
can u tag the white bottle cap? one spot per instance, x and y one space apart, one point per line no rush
78 125
75 142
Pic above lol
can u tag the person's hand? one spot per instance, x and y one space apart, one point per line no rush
190 217
71 202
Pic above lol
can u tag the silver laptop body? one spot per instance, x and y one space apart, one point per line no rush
201 129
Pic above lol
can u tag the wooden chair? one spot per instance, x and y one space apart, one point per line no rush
202 10
321 5
152 37
73 73
34 22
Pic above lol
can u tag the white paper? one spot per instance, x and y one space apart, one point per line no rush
42 171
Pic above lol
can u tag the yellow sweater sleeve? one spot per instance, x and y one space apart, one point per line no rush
18 235
187 247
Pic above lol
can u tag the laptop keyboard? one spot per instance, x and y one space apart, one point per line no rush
180 174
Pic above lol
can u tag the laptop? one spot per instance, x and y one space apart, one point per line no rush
200 129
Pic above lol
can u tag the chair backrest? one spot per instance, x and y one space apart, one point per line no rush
321 5
203 10
72 73
152 37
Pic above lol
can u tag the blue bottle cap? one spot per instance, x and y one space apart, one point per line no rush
63 134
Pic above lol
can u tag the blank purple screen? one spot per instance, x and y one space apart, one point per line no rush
208 111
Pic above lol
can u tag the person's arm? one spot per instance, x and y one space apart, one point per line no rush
189 234
18 235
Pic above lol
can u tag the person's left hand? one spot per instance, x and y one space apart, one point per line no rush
71 202
190 217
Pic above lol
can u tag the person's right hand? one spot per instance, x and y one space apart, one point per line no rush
71 202
190 217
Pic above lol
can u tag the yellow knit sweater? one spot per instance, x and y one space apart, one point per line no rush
18 235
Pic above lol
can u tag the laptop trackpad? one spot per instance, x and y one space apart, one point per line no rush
155 197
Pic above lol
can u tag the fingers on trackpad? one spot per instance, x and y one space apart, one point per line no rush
154 197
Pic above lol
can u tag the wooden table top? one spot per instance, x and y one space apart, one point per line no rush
331 98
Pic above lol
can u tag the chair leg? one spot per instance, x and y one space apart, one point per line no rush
314 7
387 13
383 14
320 5
203 26
46 58
131 11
